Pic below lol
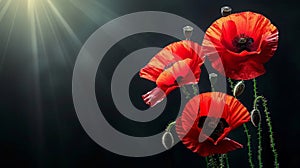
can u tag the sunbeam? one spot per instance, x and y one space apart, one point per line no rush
64 23
43 38
55 18
93 10
38 115
9 34
4 9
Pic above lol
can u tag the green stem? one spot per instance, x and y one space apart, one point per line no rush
195 89
212 88
231 84
270 129
259 147
186 92
248 145
246 132
169 127
207 163
212 162
259 130
221 160
254 88
227 161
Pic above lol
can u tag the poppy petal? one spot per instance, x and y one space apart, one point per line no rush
229 31
172 53
227 55
213 105
206 148
188 137
175 65
154 96
178 74
150 72
224 146
238 112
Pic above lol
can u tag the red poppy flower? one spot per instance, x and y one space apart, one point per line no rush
240 44
175 65
206 121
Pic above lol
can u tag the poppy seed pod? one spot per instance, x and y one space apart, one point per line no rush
225 11
188 31
255 117
167 140
238 88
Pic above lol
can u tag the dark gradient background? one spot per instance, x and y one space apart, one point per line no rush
38 123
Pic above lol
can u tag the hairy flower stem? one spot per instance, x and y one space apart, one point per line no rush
207 162
248 145
259 129
259 147
195 89
270 128
227 161
186 92
254 88
169 127
246 132
212 163
221 161
231 84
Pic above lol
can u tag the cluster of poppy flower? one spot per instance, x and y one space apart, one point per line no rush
237 45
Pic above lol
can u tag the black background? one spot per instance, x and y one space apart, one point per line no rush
38 122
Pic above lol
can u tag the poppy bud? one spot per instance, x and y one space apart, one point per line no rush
167 140
238 88
226 10
187 31
255 117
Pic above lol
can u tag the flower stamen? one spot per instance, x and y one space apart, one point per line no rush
242 42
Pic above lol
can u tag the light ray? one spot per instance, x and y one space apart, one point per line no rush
9 35
55 36
38 115
64 23
93 10
5 9
31 18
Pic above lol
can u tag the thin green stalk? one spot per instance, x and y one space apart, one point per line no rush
169 127
212 162
206 160
259 129
195 89
212 89
221 161
272 142
231 84
259 147
248 145
270 129
227 160
246 132
186 92
254 88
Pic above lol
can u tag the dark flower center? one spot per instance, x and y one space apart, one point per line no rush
242 42
216 124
